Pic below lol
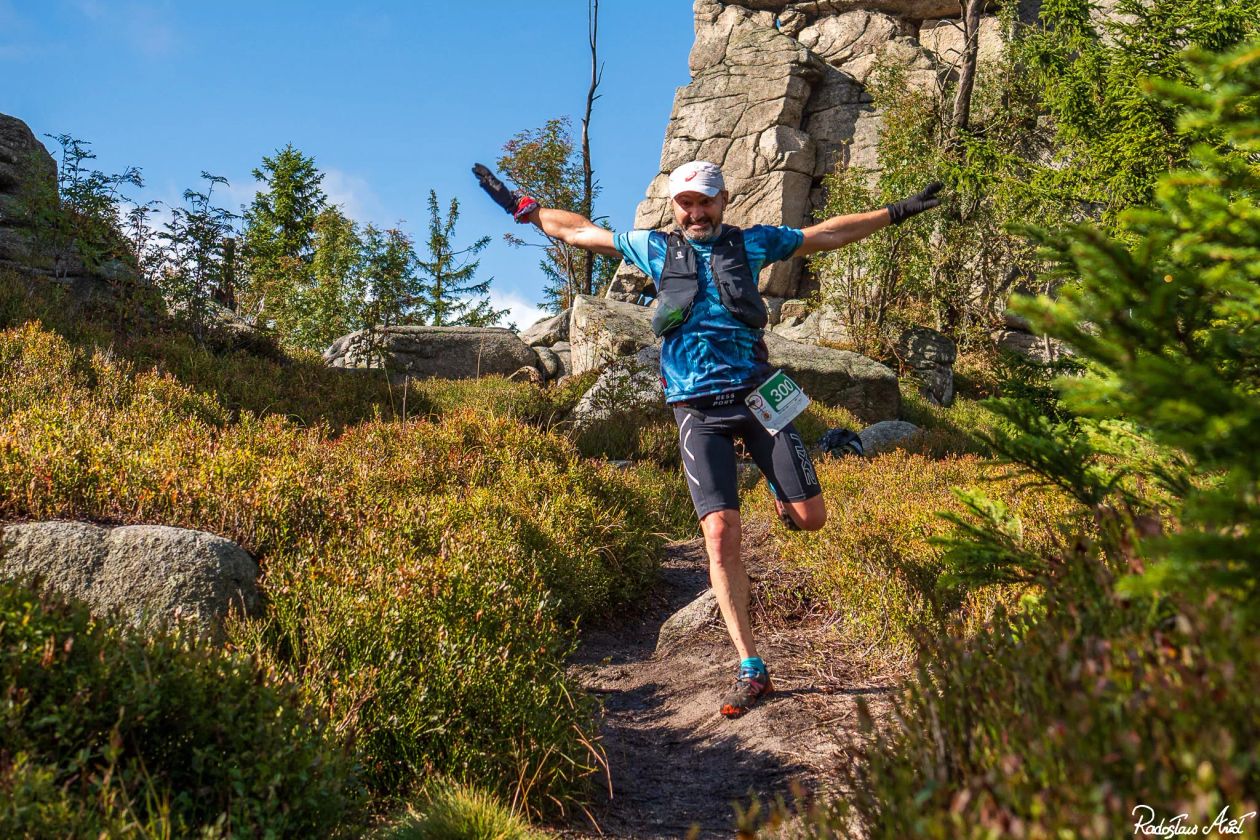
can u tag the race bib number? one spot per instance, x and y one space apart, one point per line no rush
777 402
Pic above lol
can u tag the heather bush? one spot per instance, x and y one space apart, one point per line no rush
422 578
878 567
103 730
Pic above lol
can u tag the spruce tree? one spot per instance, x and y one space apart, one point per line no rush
279 237
1163 446
447 293
333 306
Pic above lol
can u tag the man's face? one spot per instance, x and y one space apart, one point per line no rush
699 215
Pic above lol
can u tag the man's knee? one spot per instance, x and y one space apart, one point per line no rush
810 515
721 530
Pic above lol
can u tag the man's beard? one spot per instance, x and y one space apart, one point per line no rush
703 238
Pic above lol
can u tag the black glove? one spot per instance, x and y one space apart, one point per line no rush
899 211
518 205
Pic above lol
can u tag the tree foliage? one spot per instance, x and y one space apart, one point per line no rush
545 163
279 237
447 277
1059 130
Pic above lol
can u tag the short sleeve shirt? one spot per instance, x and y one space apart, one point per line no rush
711 352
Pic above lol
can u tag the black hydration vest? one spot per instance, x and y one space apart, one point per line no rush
680 282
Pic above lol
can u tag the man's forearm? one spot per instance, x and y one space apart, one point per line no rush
573 229
842 230
559 224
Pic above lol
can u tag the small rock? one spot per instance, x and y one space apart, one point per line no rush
695 616
886 435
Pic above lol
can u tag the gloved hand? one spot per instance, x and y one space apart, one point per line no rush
520 206
899 211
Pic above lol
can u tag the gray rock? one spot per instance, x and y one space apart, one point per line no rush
885 435
944 38
930 356
601 330
548 331
913 9
440 352
838 377
548 362
696 616
24 162
152 573
1039 348
628 390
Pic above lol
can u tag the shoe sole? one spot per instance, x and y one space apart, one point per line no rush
729 711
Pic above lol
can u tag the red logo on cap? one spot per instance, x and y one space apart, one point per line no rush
692 175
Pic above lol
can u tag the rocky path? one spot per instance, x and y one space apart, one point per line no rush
676 765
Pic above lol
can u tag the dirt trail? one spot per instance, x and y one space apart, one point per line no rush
674 761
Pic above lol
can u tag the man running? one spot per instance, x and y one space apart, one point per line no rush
710 316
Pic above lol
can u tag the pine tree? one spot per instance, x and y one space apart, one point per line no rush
389 275
278 243
334 303
446 279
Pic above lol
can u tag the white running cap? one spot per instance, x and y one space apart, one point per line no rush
698 176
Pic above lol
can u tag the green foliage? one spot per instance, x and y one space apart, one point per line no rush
155 736
545 163
1059 725
1060 131
1131 682
1175 358
79 219
335 302
197 265
1112 140
392 285
423 579
455 812
277 243
445 279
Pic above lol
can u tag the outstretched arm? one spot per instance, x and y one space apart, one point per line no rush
841 230
570 228
574 229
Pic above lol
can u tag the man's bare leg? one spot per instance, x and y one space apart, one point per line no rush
729 579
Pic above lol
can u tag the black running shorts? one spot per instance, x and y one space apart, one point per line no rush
706 439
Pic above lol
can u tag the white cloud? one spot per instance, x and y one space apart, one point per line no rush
520 311
353 195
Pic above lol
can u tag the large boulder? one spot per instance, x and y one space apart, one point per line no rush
838 377
601 329
628 390
151 573
547 331
440 352
27 173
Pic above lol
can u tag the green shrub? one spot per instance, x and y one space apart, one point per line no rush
1059 726
1133 681
423 578
877 564
455 812
104 730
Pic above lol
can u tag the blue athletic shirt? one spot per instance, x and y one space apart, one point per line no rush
711 352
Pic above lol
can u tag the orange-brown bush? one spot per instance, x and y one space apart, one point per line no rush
422 578
876 565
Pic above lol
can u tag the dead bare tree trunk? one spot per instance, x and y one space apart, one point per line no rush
587 281
967 75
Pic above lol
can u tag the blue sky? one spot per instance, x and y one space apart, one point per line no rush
390 98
